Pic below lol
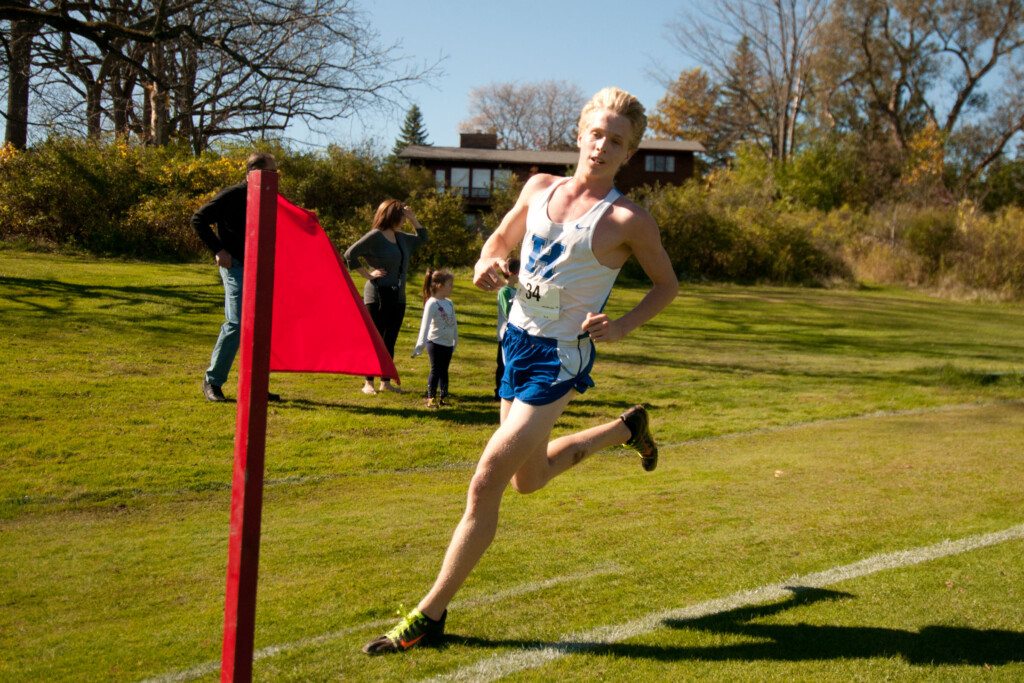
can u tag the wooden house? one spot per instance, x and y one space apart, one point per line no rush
476 165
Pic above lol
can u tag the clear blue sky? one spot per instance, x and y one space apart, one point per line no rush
592 43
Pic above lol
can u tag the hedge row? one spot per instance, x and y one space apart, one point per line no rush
120 199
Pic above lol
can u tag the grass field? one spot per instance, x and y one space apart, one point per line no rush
818 449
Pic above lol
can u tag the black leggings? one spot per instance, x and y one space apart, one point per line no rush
440 359
387 314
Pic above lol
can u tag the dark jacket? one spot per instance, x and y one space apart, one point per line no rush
227 211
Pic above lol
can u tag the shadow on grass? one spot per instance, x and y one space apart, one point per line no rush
802 642
113 307
462 410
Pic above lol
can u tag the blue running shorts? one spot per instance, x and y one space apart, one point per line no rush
540 370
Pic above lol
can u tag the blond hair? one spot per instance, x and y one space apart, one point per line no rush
623 104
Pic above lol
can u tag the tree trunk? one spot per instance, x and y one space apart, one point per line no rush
159 101
159 117
121 87
93 109
145 127
19 72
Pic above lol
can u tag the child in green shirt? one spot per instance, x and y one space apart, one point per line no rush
505 296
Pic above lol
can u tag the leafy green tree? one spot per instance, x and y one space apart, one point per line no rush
896 67
504 194
413 132
689 111
1002 184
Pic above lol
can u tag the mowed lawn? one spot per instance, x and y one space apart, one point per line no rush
826 443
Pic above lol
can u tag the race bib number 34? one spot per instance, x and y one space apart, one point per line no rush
539 300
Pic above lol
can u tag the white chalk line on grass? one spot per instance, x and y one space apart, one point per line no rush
211 667
499 666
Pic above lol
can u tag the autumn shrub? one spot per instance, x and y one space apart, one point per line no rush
108 197
991 255
340 184
344 187
749 223
158 227
504 194
66 190
797 253
931 234
1002 184
700 244
821 177
117 198
731 229
449 244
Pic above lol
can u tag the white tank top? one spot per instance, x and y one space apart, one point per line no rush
560 279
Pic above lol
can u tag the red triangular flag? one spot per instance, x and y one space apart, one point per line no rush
320 323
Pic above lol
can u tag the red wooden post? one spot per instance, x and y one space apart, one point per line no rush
250 427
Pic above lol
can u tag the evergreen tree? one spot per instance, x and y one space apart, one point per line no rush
413 131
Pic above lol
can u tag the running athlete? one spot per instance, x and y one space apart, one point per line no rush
575 234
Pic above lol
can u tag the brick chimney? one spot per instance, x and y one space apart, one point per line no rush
478 140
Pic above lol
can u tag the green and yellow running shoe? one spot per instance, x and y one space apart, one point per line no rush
641 440
414 629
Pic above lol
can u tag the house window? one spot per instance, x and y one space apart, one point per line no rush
439 179
503 178
660 163
481 183
460 181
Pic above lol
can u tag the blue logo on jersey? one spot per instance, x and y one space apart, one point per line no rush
543 252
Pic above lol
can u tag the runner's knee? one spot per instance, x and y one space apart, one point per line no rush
484 489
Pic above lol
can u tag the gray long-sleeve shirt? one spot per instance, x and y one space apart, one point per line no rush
379 252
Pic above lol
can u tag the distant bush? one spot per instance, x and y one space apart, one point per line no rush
737 233
1003 185
449 243
115 198
754 222
159 226
504 194
955 251
340 185
991 254
931 234
700 243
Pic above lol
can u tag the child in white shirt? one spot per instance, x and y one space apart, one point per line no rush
439 333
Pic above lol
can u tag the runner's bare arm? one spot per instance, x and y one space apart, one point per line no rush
644 240
491 271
